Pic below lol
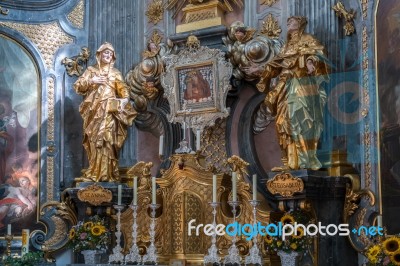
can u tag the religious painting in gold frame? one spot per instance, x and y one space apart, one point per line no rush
19 137
196 82
387 39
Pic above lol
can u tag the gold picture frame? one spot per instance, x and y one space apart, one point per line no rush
196 82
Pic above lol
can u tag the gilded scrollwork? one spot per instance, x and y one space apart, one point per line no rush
348 15
268 2
77 15
270 27
245 48
76 65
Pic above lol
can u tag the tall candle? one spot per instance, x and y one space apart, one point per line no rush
184 130
254 187
153 190
234 196
8 229
135 190
119 194
379 220
161 147
214 191
25 241
197 139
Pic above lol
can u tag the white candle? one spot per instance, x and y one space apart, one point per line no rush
197 139
214 191
254 187
379 220
119 194
184 130
161 147
135 190
234 196
153 190
8 229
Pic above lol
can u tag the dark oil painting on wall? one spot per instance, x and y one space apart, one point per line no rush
19 137
388 75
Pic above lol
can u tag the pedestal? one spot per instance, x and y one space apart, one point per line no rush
327 196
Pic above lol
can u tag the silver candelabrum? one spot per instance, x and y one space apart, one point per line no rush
233 256
151 255
134 255
254 254
212 256
117 255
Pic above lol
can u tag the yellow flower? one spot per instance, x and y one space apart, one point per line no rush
293 246
87 226
97 230
279 243
269 239
395 258
287 219
72 233
391 245
299 233
372 253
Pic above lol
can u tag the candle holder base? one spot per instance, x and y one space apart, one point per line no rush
233 256
151 255
212 256
134 256
117 255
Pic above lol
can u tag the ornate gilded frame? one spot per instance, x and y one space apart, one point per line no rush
214 69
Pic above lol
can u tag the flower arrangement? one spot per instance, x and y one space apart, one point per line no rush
384 252
90 235
296 242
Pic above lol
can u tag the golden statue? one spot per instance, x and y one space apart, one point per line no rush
297 98
106 113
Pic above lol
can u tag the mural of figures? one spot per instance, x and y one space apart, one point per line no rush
388 56
19 90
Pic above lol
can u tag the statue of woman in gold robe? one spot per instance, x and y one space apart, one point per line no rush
297 98
106 113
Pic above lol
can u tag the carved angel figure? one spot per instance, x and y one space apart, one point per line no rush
246 49
144 78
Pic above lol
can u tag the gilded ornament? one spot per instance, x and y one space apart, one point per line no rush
77 15
178 5
349 16
76 64
95 195
268 2
285 184
155 11
270 27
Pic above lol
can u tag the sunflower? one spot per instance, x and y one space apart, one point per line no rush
372 253
287 219
391 245
269 239
293 246
72 233
88 225
395 258
96 230
299 233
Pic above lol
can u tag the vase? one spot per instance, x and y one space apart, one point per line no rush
92 256
289 258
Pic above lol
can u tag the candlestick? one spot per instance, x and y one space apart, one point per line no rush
117 255
198 140
161 147
151 255
254 187
254 256
134 255
153 190
8 229
135 190
214 191
119 194
233 256
234 193
212 256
